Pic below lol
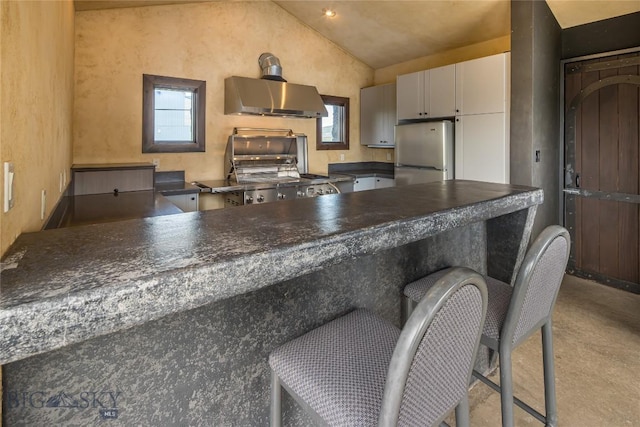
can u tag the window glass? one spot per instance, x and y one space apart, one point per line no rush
173 119
173 115
332 125
333 130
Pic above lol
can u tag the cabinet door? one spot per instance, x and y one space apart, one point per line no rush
410 96
371 125
186 202
385 182
362 184
389 106
442 91
378 115
482 148
107 181
481 85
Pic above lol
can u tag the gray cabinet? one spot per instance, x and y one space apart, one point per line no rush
385 182
372 183
427 94
186 202
362 184
110 178
378 115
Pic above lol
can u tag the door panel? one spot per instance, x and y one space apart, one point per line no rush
602 203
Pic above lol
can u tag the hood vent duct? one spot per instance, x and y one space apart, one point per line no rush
271 95
271 69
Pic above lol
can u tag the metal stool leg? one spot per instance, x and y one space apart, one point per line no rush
407 308
276 401
506 385
462 412
551 408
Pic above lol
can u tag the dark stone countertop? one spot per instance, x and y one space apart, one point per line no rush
67 285
367 173
363 169
87 209
226 186
111 166
177 188
172 183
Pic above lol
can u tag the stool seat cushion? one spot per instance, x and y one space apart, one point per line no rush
340 368
499 298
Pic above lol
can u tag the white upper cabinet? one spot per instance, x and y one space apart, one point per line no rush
427 94
411 93
482 85
378 115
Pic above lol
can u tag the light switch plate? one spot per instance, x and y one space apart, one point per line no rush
9 196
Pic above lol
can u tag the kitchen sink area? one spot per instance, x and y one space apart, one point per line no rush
101 193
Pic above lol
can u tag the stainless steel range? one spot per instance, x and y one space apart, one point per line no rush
267 163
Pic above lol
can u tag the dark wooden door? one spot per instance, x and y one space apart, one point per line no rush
602 202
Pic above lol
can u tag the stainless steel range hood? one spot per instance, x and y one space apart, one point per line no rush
243 95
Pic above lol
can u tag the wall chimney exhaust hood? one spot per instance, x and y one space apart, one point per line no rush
243 95
271 95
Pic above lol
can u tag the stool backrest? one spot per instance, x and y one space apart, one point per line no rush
537 284
432 363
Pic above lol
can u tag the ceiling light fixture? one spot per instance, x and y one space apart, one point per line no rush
330 13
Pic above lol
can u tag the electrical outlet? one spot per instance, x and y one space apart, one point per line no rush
388 156
156 162
342 157
43 204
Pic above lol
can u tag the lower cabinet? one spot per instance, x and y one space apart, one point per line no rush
186 202
362 184
371 183
385 182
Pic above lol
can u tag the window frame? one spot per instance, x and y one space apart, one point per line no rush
199 88
339 145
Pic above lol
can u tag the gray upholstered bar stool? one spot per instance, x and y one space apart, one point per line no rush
361 370
514 314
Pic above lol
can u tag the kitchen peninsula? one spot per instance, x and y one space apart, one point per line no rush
172 318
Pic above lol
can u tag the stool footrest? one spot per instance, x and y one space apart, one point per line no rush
537 415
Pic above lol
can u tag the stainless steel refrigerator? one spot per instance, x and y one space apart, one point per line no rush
424 152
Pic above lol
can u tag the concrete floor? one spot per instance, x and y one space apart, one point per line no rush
597 357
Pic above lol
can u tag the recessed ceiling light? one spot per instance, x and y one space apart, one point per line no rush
330 13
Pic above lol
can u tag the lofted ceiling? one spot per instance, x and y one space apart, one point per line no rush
383 33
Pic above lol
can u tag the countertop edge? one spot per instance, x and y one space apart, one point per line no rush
101 311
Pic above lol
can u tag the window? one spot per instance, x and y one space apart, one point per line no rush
333 131
173 114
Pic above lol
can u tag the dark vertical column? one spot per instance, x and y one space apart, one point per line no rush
536 41
507 240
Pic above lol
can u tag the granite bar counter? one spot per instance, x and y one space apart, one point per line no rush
175 316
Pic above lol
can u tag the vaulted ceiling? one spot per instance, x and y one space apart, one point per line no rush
382 33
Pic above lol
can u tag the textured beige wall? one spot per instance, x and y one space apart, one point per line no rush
491 47
203 41
36 51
